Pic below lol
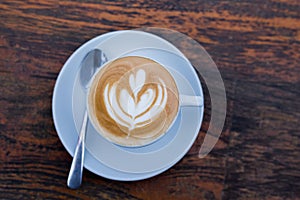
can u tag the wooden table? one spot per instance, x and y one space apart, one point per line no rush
255 44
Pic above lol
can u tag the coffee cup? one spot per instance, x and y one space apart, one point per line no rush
133 101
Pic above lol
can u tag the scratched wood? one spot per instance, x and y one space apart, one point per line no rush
256 46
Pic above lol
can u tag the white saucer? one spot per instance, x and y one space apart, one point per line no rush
63 119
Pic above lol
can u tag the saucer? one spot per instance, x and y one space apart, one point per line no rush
67 130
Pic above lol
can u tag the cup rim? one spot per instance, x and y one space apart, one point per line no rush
98 128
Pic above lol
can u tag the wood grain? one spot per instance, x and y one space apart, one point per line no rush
256 46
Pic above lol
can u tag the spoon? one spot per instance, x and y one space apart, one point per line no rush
88 66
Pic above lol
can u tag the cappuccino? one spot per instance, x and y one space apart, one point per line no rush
132 101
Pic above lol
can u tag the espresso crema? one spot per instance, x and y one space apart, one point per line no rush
132 101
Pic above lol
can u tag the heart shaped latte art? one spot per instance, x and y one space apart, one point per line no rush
133 101
135 106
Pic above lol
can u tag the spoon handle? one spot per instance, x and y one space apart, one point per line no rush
75 174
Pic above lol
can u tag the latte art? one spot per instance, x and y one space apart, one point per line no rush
135 108
132 101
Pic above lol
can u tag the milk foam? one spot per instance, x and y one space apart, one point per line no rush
132 101
131 109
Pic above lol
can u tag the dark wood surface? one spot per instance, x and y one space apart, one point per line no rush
255 44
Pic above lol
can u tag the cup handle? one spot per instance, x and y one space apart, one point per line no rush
188 100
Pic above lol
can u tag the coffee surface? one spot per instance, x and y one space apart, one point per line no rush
132 101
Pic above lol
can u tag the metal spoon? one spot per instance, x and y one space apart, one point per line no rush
93 59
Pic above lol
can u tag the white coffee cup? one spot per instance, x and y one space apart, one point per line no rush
128 141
